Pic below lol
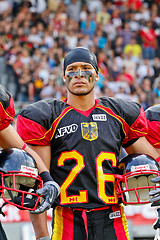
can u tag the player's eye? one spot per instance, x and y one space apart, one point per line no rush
70 69
87 67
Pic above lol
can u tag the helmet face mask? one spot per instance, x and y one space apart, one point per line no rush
19 179
134 184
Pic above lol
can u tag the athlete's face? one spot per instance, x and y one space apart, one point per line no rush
80 78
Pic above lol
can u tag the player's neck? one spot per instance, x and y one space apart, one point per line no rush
82 103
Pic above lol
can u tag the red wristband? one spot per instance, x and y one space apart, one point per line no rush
24 146
158 159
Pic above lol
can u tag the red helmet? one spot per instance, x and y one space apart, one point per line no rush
134 184
19 179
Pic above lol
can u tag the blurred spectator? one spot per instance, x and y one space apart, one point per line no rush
122 94
134 5
130 65
146 88
149 41
3 68
101 39
95 5
126 34
103 67
49 91
117 46
156 66
53 5
83 13
143 70
38 5
116 18
5 8
73 10
71 39
133 94
34 37
156 81
103 16
48 40
86 42
134 25
156 92
143 100
110 31
26 85
124 76
88 26
135 49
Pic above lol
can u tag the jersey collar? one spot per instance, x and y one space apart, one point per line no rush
85 113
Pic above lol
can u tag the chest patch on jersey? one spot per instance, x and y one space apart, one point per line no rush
116 214
66 130
89 131
99 117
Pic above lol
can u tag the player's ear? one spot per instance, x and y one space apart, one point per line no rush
97 77
64 79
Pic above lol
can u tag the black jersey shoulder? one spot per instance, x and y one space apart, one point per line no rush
44 112
153 113
128 110
4 97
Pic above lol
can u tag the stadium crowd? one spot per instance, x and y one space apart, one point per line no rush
35 35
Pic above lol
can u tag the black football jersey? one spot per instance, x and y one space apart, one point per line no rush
7 111
85 146
153 118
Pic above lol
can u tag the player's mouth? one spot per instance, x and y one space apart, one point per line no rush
79 83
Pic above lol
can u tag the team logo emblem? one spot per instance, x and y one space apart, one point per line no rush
89 131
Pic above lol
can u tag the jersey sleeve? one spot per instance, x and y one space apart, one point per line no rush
34 123
137 127
7 111
132 117
153 119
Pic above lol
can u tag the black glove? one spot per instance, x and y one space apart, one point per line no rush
156 193
50 192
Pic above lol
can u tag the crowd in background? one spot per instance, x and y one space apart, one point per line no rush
35 35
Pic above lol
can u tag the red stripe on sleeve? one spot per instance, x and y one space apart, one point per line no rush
10 109
153 135
139 128
32 132
6 115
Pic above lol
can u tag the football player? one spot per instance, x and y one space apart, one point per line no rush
9 138
79 139
153 136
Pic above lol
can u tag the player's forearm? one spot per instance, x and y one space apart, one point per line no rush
39 223
9 138
40 164
44 152
144 147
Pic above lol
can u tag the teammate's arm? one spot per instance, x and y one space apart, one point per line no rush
143 146
40 221
9 138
